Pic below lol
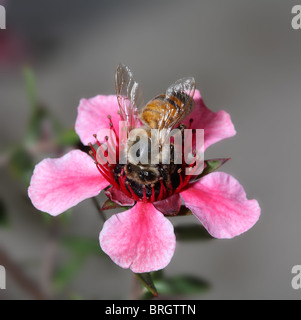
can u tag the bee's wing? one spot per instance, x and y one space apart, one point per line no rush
180 96
129 95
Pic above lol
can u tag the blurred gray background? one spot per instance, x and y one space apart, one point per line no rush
246 59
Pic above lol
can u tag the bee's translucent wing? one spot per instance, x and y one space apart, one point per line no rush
178 103
180 96
129 95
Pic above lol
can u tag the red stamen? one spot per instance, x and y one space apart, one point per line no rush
144 195
107 153
135 197
104 174
112 127
92 148
162 188
121 180
180 186
153 196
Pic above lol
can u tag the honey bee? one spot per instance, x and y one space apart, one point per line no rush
164 113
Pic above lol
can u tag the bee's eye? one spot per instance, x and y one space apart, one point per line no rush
147 175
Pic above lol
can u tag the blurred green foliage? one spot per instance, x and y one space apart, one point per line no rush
172 287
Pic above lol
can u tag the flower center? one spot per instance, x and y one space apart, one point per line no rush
148 185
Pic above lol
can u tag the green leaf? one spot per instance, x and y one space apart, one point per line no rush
30 84
21 164
35 125
156 275
109 205
4 221
64 274
191 232
179 286
210 166
82 246
147 281
37 113
68 138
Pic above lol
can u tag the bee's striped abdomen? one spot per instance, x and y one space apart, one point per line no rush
163 111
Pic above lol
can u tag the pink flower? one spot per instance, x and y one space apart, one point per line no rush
142 238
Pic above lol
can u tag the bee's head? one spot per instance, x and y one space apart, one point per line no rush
143 174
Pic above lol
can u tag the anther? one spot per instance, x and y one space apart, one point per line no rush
181 185
162 187
153 193
144 194
135 197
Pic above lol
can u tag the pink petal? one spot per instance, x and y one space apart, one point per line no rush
220 203
59 184
119 197
169 206
93 116
141 239
217 126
